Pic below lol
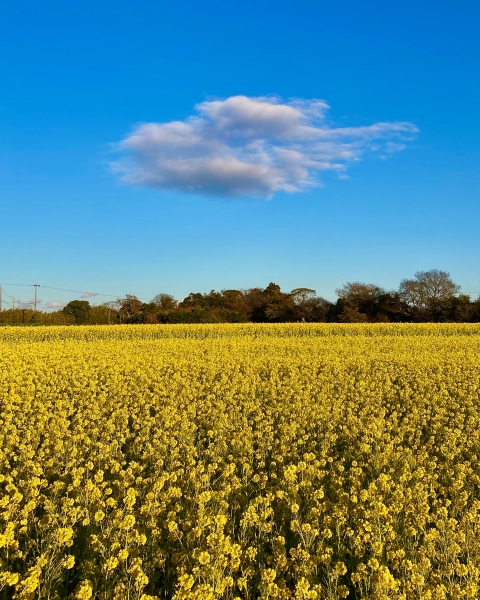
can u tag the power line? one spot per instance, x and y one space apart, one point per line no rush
96 294
47 287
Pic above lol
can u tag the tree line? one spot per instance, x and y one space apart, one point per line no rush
430 296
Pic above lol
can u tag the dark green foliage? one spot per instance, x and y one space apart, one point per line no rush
79 310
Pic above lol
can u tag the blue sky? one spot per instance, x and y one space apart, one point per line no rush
83 207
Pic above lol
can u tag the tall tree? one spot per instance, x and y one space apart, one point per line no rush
128 307
79 309
427 293
278 306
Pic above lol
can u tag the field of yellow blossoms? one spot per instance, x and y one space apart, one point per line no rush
240 462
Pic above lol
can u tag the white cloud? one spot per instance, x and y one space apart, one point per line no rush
245 146
89 295
55 304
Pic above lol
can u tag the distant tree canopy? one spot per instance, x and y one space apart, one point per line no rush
430 296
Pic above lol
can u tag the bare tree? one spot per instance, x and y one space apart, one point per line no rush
113 305
128 307
356 292
428 292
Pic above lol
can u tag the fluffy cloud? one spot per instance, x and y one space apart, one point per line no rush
89 295
55 304
245 146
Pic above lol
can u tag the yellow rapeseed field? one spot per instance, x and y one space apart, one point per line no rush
240 461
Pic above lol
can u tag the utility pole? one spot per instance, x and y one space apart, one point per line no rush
35 285
0 297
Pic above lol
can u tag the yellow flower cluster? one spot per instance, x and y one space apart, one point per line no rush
240 462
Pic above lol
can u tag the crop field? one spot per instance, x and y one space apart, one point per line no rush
240 462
